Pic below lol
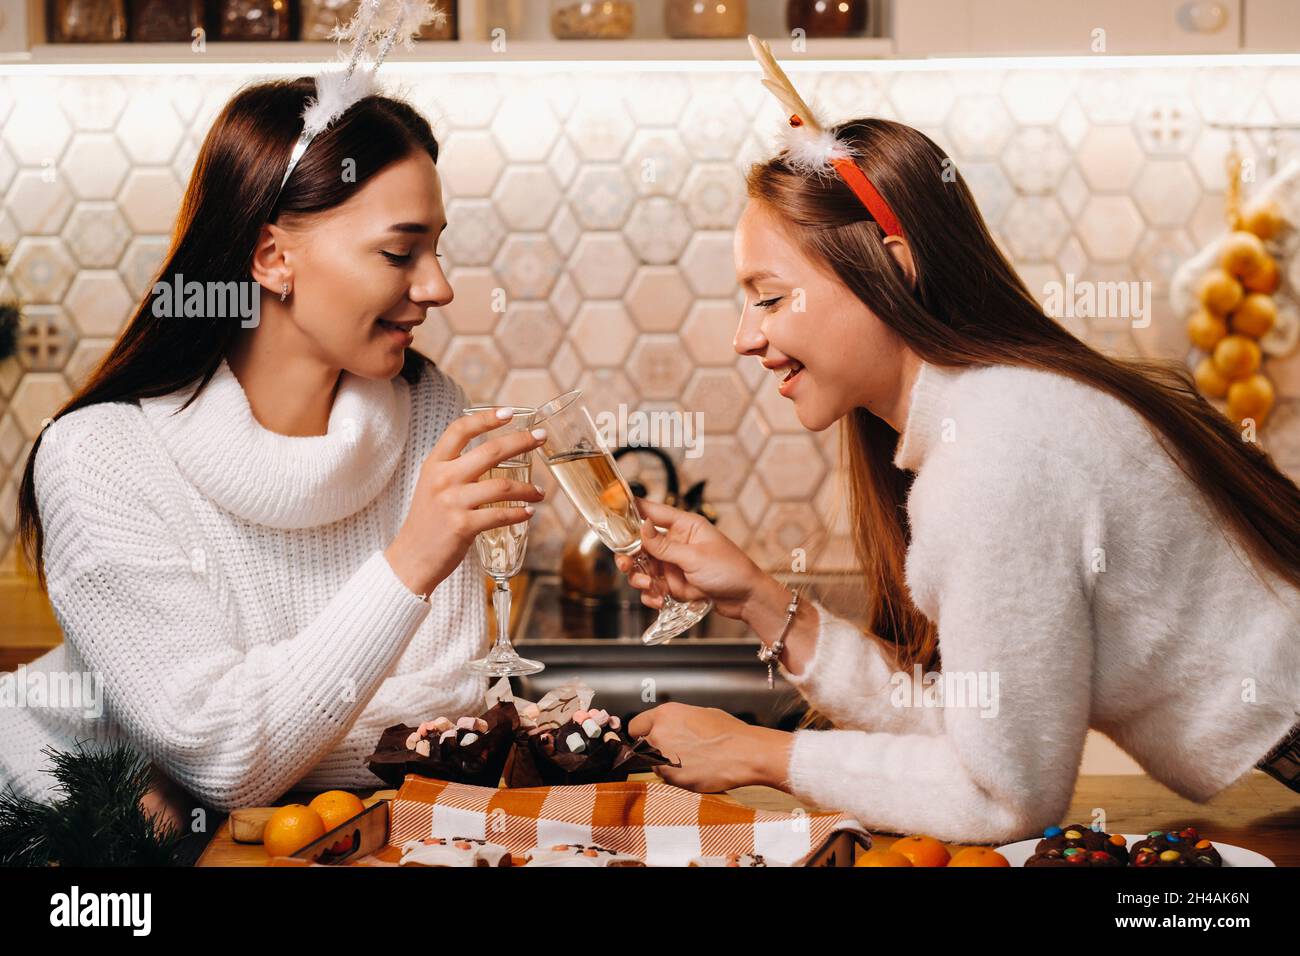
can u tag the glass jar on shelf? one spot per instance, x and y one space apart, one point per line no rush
449 29
592 19
86 21
251 20
693 19
827 18
165 21
318 19
481 19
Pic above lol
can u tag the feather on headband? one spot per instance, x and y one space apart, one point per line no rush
375 23
811 149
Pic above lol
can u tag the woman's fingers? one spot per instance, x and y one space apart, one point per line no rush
476 494
673 579
485 519
677 584
456 436
661 514
476 461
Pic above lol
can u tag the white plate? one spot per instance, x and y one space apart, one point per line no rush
1017 853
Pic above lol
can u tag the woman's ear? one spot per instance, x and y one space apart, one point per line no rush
902 253
270 266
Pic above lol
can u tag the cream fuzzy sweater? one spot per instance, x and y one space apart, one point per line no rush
224 598
1080 579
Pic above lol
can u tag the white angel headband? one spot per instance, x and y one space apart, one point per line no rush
376 22
810 148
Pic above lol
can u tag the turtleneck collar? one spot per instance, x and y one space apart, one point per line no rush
926 413
285 481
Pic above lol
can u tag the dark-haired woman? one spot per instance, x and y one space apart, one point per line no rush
1085 541
254 535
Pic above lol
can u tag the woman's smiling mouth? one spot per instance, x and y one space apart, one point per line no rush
403 331
787 375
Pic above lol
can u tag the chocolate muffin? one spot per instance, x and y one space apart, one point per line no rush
1077 844
1182 847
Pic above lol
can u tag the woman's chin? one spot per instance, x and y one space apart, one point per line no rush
817 410
811 416
378 365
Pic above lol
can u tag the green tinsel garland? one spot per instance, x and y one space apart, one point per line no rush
98 821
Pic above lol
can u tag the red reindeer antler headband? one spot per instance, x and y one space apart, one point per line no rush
809 148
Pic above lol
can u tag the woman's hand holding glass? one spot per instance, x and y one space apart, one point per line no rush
446 514
695 559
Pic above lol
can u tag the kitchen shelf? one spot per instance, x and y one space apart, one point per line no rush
453 51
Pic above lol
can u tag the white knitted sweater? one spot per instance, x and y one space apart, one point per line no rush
1057 546
227 586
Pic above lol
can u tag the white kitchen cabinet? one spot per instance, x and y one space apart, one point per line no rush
1078 27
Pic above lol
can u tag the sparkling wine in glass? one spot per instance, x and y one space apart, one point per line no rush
500 551
585 469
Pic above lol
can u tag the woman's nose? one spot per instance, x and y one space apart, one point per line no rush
431 287
749 338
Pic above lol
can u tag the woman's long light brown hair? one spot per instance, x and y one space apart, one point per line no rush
969 307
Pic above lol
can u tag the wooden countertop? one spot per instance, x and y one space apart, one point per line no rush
1257 813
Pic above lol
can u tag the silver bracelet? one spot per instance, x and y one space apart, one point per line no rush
768 653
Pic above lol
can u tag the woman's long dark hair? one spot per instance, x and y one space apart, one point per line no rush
969 307
231 195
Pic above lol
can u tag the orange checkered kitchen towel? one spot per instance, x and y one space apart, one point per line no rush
662 824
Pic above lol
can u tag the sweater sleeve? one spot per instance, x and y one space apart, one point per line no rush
234 725
996 560
435 684
852 681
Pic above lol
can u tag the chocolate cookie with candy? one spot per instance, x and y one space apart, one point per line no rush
1182 847
1073 856
1079 845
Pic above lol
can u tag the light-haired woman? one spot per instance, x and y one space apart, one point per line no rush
1083 536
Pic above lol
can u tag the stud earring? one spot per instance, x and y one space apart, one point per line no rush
284 292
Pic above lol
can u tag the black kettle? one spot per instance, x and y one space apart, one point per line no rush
587 571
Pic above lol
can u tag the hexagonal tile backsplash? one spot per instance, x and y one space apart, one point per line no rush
602 204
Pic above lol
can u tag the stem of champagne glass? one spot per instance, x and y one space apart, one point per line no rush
501 605
658 586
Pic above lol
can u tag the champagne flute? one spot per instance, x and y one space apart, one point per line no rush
500 551
585 469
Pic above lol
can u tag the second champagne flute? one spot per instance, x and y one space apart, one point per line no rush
586 471
501 551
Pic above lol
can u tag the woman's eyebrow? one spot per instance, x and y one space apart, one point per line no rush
414 228
753 277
